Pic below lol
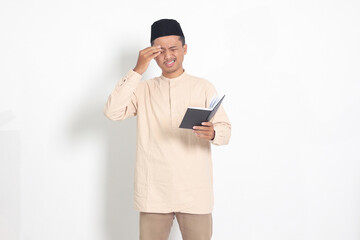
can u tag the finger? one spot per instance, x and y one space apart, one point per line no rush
205 136
202 127
207 123
151 49
203 132
153 53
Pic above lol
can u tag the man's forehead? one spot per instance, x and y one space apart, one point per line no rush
168 40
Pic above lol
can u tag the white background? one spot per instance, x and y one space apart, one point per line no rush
290 70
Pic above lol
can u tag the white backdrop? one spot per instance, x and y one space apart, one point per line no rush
290 70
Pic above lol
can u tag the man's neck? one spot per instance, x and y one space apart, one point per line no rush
174 74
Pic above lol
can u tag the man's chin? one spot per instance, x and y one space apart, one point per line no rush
169 70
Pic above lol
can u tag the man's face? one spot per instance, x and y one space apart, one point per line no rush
172 56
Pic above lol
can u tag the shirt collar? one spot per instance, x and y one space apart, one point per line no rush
173 79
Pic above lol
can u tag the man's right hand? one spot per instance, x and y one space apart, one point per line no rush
145 57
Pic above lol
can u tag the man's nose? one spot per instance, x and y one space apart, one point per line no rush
167 54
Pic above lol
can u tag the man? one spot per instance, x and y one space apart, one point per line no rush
173 169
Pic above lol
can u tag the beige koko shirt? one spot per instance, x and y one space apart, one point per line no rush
173 168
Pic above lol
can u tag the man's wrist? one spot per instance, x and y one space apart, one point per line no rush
138 71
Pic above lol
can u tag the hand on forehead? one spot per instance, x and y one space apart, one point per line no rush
168 42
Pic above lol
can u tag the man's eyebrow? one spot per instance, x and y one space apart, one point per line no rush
172 47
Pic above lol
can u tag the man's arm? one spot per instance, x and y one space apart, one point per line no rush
122 102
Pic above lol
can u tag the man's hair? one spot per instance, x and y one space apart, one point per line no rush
181 38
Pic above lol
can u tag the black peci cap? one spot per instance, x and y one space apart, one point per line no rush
165 27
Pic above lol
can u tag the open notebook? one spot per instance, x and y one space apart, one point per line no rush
194 116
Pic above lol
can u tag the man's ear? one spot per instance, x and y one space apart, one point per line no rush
185 49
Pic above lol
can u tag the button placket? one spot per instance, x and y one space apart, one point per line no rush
173 104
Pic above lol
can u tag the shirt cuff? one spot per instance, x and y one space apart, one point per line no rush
221 134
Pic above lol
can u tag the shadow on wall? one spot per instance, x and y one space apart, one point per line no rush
10 219
120 218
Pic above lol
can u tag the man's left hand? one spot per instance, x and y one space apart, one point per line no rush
205 131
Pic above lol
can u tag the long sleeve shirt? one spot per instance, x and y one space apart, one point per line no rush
173 167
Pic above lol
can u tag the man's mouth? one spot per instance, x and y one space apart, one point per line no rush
170 63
